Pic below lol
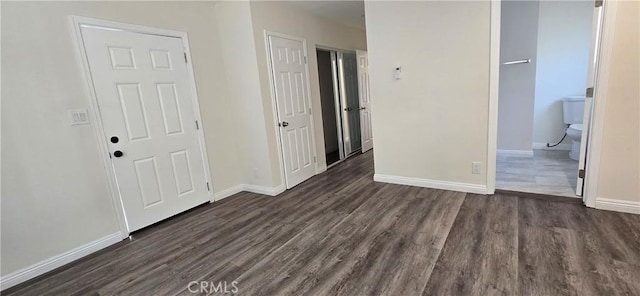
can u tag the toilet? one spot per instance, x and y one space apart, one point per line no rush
572 114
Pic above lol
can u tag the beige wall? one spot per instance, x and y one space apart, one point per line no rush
283 18
54 194
619 176
240 57
432 123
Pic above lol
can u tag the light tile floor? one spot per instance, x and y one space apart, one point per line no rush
547 172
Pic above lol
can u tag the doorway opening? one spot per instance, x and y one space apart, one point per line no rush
340 95
548 57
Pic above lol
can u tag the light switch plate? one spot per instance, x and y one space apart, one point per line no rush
79 116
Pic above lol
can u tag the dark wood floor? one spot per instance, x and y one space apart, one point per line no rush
342 234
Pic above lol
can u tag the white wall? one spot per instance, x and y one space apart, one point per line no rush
433 122
564 37
619 176
239 52
54 194
284 18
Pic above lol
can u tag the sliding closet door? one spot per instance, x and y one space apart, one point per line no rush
348 78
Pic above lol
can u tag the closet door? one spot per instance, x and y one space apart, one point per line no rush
350 101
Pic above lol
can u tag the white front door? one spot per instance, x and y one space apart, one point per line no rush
365 101
147 110
288 65
588 103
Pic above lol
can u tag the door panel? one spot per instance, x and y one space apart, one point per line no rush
365 101
350 101
588 103
294 112
145 99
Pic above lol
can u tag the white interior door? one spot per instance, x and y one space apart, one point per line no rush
147 111
366 135
288 62
588 103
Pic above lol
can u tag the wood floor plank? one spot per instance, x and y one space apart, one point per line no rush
341 233
480 256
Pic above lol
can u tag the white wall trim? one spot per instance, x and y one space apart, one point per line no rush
625 206
54 262
494 82
543 146
272 191
516 153
437 184
227 192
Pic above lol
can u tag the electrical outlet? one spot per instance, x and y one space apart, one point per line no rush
475 168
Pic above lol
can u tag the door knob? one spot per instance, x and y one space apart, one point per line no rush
284 123
114 139
348 109
118 153
363 108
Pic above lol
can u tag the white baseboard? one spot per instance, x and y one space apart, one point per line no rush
617 205
54 262
543 146
272 191
227 192
437 184
516 153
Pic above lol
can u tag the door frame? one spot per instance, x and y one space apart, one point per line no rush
76 22
336 102
337 94
274 101
594 145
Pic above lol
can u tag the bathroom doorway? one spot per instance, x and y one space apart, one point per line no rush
547 62
339 96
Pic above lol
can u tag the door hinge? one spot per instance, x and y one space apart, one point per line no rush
598 3
589 92
197 125
581 174
208 188
185 57
305 60
309 110
314 159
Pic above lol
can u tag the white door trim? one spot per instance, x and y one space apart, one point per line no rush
494 82
274 101
76 23
594 147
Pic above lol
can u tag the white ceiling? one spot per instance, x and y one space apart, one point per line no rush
350 13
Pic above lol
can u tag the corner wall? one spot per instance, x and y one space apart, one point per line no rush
432 124
241 68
